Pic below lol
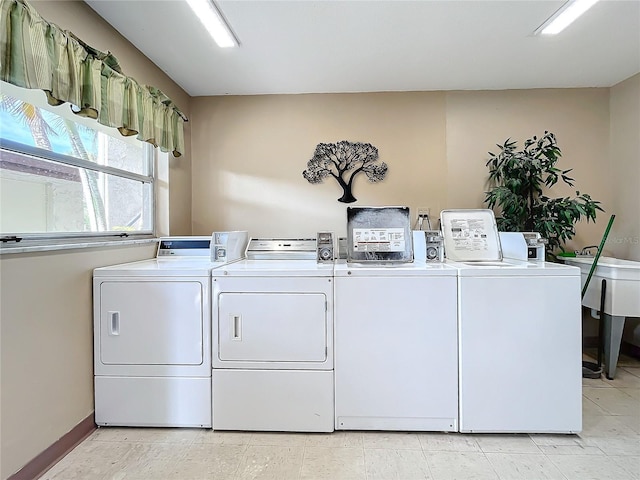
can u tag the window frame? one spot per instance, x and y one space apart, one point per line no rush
14 240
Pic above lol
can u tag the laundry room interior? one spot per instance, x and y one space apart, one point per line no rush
241 170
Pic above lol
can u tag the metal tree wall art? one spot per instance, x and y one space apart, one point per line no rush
343 161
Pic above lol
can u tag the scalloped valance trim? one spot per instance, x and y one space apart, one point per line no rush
37 54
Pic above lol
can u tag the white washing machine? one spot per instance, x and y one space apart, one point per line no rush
396 347
273 339
152 338
396 329
520 337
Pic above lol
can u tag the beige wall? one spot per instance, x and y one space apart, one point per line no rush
46 332
80 19
624 239
249 152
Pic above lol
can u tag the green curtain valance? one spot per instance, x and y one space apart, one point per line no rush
37 54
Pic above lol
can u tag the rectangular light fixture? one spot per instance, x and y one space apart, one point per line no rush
564 17
212 19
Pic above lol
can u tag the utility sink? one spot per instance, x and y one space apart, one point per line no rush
622 298
623 284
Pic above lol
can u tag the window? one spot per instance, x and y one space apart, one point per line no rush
64 175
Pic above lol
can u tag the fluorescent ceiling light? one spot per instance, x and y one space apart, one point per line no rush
564 17
212 19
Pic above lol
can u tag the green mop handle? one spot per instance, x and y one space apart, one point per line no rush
597 257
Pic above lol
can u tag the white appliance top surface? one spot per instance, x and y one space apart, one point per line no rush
510 267
414 269
182 256
276 268
191 267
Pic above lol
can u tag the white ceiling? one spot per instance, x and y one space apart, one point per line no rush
298 46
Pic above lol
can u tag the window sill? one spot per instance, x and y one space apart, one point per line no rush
32 246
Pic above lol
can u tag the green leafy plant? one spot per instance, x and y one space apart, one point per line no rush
519 186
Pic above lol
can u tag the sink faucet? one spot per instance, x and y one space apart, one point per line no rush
586 251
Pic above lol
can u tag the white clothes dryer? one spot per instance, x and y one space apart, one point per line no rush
152 338
273 339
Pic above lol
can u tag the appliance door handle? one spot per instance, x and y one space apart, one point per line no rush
236 327
114 323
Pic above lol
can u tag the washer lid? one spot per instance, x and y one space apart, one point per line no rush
379 235
513 268
275 268
470 235
415 269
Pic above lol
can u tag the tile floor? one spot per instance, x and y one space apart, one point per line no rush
608 448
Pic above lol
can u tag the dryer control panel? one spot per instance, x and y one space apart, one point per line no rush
183 247
326 249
